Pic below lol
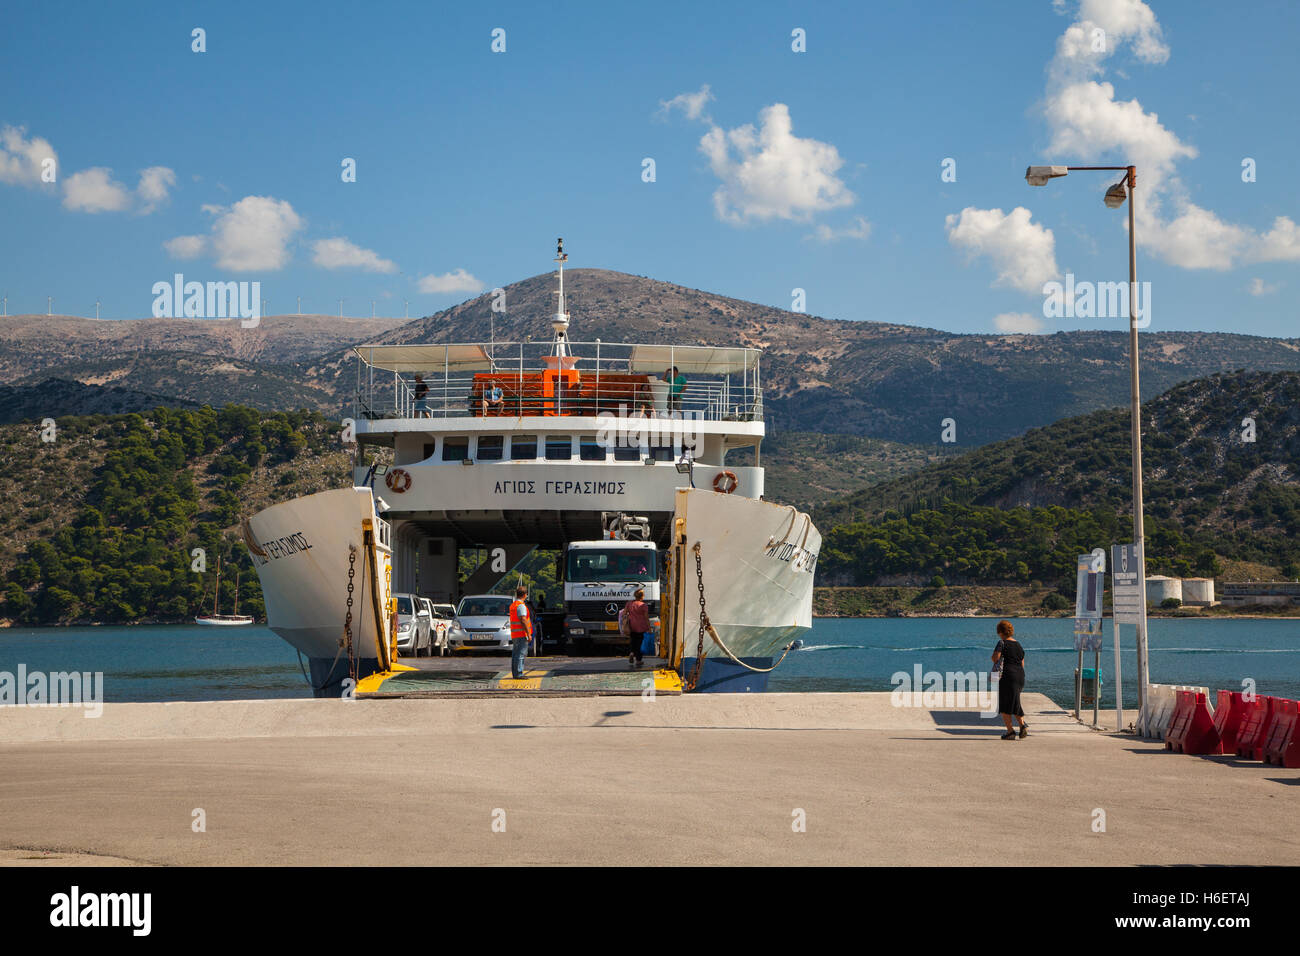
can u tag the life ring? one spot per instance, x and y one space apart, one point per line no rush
398 480
725 482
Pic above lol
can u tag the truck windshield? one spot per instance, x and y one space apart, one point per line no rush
599 564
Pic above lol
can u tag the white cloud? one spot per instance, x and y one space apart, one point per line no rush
155 183
22 162
1014 323
692 104
1260 287
186 247
254 233
94 190
1081 50
1023 252
861 229
458 281
21 158
773 173
1086 120
1087 123
338 253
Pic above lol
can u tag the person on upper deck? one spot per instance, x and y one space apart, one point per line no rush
676 385
421 397
493 398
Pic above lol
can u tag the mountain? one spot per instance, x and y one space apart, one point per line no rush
1221 469
101 524
195 378
881 380
55 398
30 344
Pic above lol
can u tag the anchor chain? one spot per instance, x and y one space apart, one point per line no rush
347 623
694 679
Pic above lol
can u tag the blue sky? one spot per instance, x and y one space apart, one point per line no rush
469 163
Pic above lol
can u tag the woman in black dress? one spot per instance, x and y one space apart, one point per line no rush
1012 656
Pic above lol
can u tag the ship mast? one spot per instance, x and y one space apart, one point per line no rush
560 321
216 594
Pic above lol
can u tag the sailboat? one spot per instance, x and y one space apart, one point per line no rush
223 620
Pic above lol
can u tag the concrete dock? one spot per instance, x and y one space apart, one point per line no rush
626 781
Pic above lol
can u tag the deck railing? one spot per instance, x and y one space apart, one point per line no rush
514 380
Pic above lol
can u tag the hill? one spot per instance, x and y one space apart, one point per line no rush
883 380
877 379
1021 509
100 524
194 378
32 344
55 397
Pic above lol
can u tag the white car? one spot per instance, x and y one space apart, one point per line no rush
447 630
414 624
484 621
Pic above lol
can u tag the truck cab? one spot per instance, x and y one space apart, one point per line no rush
599 578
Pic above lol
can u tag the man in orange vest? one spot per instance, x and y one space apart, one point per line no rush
521 632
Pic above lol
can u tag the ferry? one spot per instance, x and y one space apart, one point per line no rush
499 448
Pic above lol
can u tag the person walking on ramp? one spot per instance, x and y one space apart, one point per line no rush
638 623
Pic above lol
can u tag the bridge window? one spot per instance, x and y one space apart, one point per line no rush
455 449
559 447
490 447
523 447
590 449
428 450
663 453
627 453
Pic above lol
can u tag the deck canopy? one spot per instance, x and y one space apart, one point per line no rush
693 359
640 359
424 358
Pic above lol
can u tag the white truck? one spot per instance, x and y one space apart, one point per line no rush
601 576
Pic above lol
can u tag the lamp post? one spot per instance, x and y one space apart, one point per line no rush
1115 197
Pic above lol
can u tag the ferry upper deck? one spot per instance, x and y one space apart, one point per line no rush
600 427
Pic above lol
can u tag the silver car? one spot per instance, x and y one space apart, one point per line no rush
414 624
484 621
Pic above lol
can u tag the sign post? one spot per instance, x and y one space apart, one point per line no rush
1119 684
1090 580
1129 606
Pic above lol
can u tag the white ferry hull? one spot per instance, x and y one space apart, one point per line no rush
301 550
758 560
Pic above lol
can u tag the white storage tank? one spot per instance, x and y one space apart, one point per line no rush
1198 591
1161 589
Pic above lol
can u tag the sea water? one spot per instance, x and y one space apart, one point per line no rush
864 653
155 663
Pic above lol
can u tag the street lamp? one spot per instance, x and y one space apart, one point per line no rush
1114 198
